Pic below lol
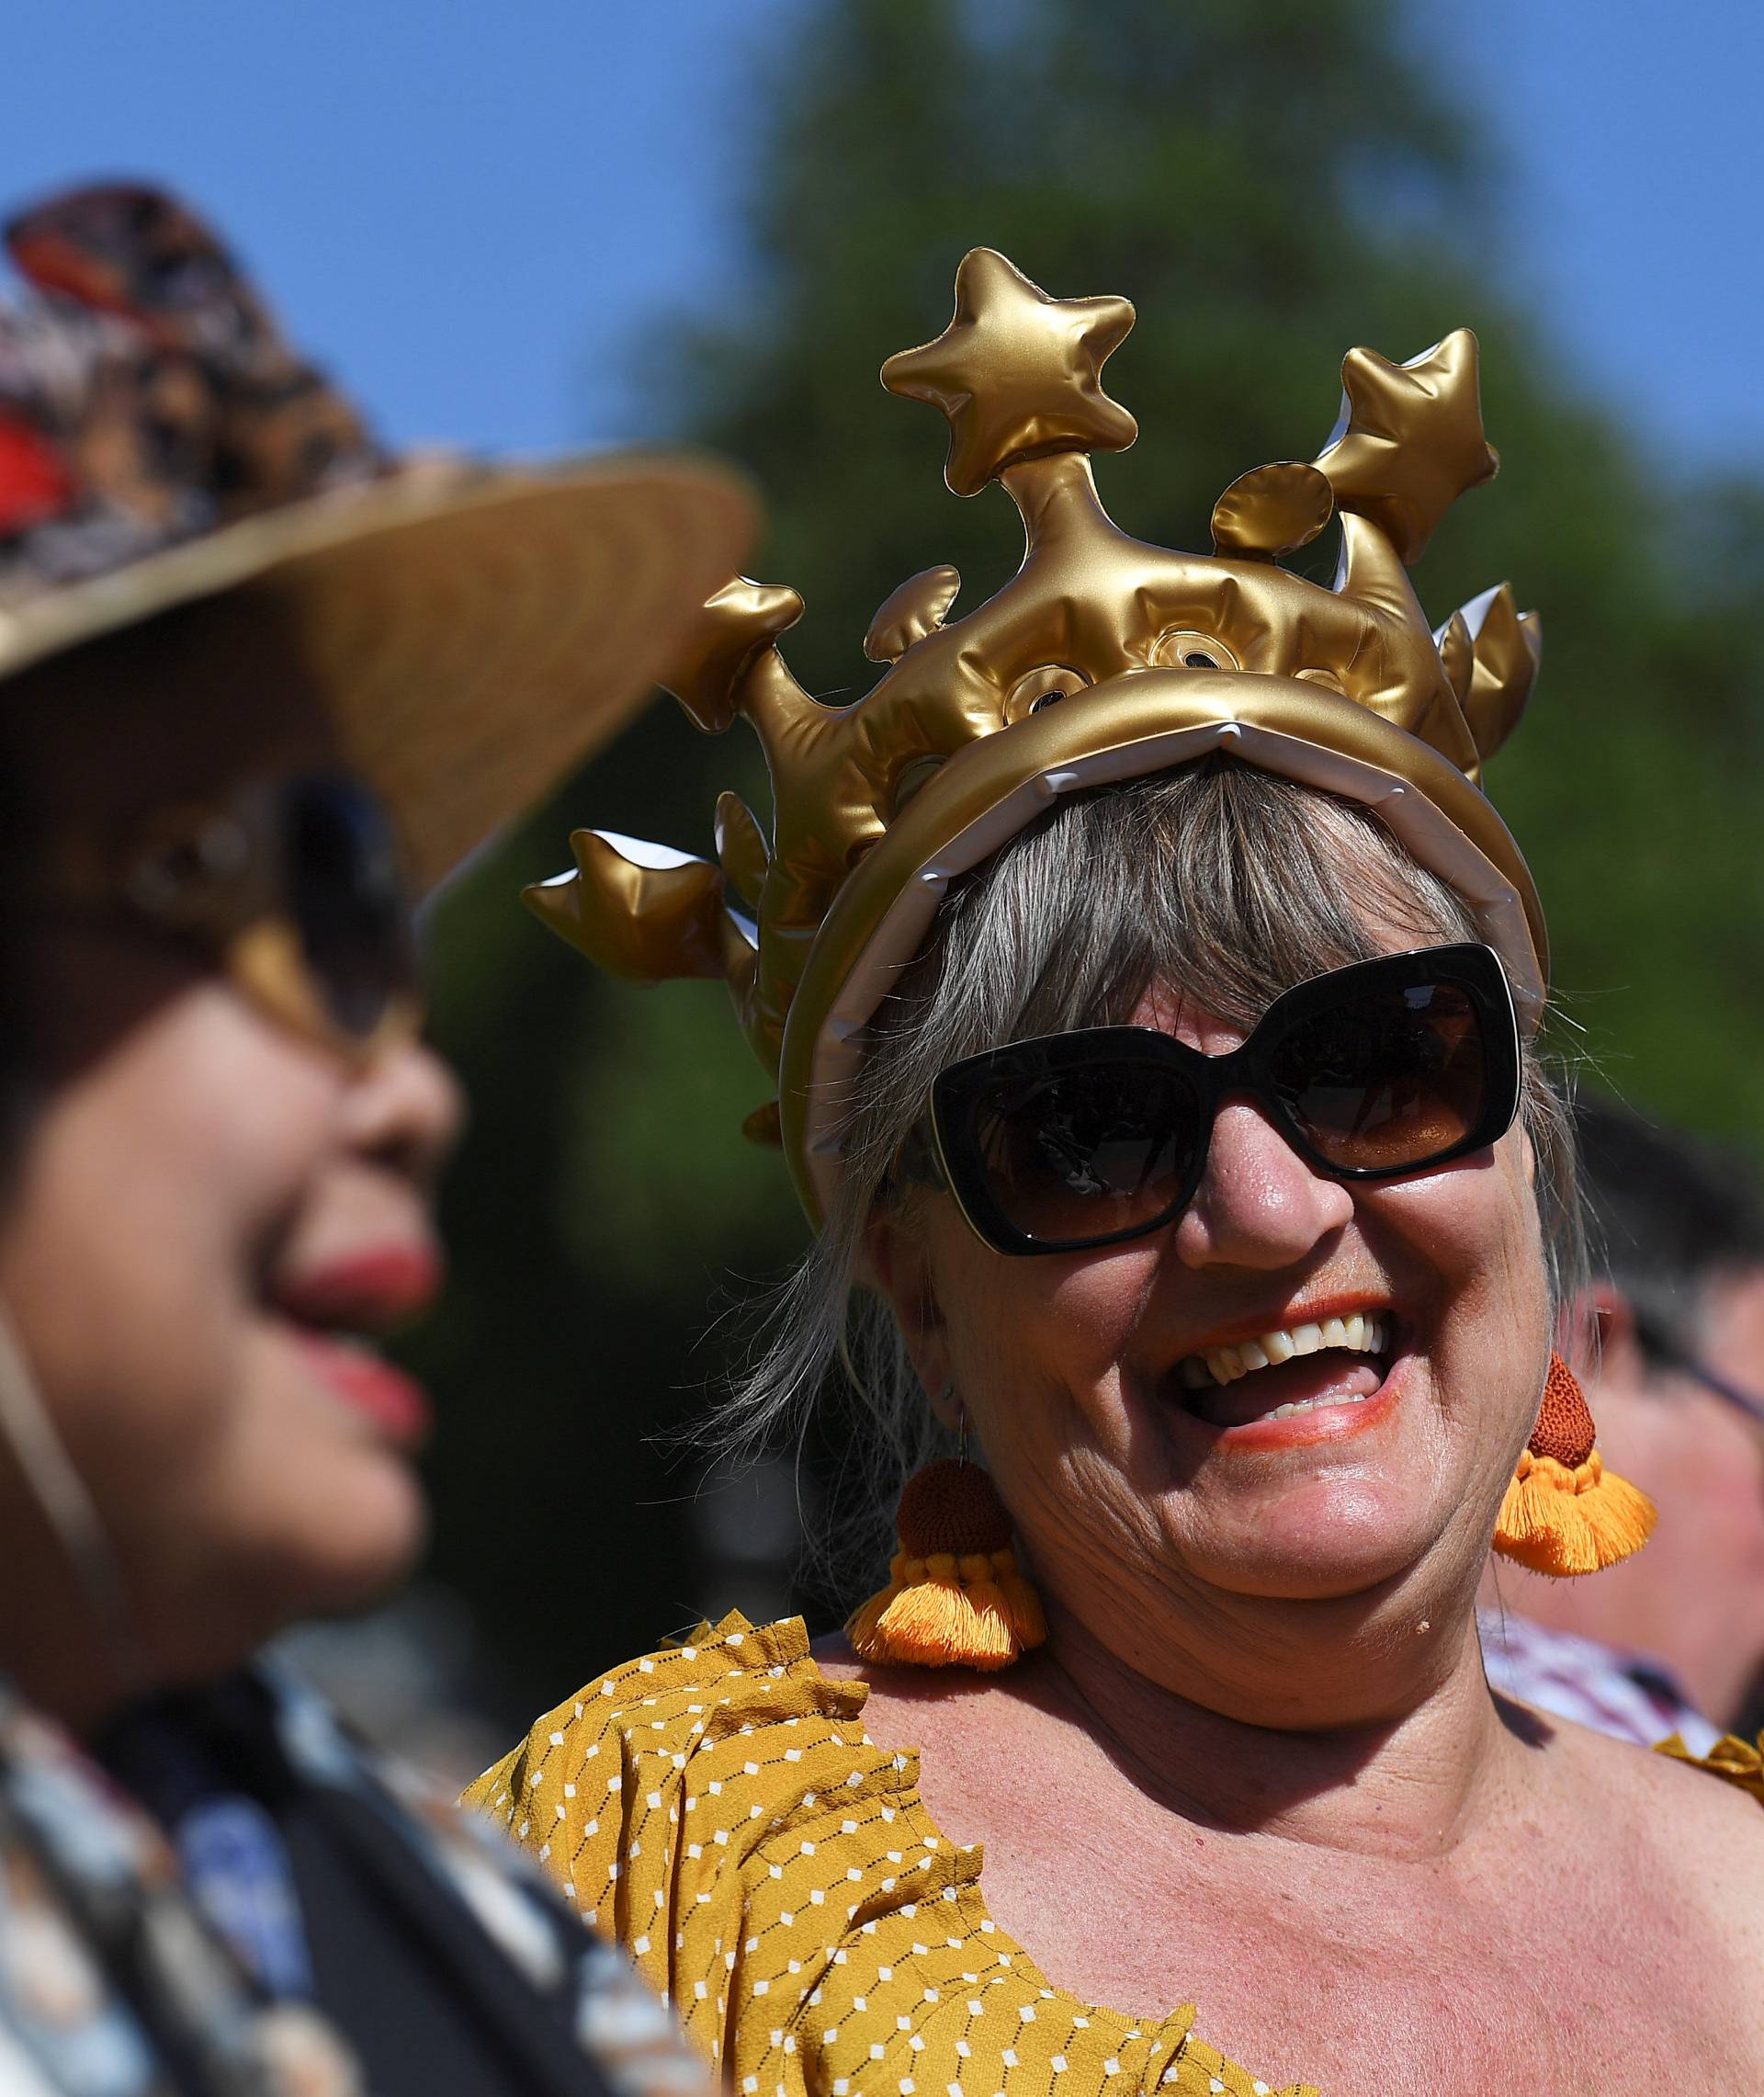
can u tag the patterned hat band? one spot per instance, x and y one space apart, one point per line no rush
177 483
146 395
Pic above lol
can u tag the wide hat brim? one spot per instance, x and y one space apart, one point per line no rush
473 634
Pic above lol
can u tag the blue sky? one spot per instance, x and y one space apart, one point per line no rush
469 212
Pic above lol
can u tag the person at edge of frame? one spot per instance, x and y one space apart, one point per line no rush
1672 1640
1154 998
254 675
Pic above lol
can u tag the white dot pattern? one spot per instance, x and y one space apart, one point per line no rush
777 1876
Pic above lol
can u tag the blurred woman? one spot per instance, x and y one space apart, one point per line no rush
1153 993
252 677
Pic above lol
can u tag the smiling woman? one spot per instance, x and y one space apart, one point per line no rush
251 672
1153 993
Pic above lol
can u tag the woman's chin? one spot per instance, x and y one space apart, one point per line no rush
336 1548
1320 1540
373 1533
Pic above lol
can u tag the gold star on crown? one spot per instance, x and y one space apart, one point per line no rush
1153 657
1016 373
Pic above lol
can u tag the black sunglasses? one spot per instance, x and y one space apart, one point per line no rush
1374 1071
292 888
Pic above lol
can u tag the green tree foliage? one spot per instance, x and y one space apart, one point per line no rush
1270 186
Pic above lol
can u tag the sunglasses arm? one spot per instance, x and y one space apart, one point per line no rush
920 1159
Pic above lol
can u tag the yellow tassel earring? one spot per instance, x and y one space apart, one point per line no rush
955 1596
1565 1513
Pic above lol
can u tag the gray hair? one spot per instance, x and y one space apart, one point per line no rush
1215 879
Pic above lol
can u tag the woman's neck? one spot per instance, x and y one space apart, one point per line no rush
1423 1763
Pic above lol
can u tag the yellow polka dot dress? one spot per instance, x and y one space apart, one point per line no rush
719 1810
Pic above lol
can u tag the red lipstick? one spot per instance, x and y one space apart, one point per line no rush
393 1402
367 1291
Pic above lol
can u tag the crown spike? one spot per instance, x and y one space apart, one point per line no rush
1272 510
908 614
1057 499
740 619
1370 570
1457 655
1015 373
1409 440
642 912
789 722
1507 646
1424 700
740 849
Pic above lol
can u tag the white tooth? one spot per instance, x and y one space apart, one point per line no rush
1224 1363
1252 1356
1278 1346
1335 1334
1307 1339
1356 1326
1376 1336
1283 1413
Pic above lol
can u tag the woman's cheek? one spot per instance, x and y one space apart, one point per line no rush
1032 1340
154 1188
1471 1240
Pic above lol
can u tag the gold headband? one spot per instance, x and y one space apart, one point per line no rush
1103 659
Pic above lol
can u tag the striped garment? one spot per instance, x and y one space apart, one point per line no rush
1632 1696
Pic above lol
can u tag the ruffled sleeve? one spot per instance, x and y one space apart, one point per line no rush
1737 1762
719 1810
715 1808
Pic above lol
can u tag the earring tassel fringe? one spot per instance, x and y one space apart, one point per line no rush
954 1597
1567 1520
1564 1513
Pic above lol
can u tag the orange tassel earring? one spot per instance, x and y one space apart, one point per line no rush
955 1596
1565 1513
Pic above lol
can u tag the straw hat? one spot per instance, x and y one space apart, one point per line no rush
473 632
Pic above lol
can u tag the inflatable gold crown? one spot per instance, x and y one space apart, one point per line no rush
1103 659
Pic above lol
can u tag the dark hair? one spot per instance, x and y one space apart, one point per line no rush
1669 1215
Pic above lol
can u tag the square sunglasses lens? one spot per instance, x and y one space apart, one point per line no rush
1082 1153
347 895
1388 1080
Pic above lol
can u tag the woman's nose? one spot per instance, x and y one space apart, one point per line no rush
405 1111
1258 1204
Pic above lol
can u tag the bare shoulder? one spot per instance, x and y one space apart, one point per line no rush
1696 1803
1693 1826
967 1728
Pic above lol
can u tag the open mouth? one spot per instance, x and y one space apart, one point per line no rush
332 1311
1290 1370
